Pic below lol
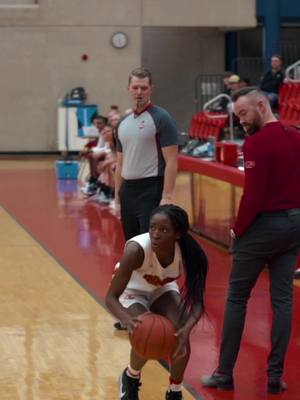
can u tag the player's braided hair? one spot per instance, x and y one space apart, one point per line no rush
194 259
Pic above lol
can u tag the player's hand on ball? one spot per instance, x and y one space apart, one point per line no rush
131 324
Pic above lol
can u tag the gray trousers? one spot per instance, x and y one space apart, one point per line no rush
273 240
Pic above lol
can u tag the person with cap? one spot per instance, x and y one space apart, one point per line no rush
230 83
233 82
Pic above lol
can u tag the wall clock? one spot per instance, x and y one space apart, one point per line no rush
119 40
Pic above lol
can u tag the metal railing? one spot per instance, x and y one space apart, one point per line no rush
292 73
290 51
229 108
207 86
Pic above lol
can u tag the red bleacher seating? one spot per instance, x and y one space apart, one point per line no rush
289 104
202 125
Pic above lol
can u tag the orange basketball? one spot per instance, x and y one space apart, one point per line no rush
153 338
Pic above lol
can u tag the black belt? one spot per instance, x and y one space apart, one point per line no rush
150 179
280 213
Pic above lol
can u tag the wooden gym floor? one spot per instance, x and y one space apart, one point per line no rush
57 340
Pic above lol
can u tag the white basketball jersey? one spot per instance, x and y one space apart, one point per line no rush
151 274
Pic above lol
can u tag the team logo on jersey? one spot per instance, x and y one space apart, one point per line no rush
142 125
156 281
249 164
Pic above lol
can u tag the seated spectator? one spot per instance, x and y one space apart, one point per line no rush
227 75
222 104
113 120
234 82
114 109
94 151
106 167
99 122
271 81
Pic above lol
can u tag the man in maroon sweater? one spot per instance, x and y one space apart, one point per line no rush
266 232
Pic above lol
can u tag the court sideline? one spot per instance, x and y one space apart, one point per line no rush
57 342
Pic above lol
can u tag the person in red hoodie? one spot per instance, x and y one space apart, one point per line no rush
266 233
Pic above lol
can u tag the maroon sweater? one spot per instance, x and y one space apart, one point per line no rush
272 173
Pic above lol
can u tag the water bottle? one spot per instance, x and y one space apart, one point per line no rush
211 146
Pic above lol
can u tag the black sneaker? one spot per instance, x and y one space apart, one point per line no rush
99 197
90 189
128 387
170 395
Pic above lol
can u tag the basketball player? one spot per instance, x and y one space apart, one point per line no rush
146 281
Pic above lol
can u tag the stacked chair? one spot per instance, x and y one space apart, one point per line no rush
203 127
289 104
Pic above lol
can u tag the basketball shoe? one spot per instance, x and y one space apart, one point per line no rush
90 188
170 395
128 387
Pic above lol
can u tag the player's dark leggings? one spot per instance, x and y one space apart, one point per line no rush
138 197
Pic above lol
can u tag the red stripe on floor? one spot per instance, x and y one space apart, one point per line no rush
87 240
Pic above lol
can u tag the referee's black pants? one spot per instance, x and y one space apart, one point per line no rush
273 240
138 197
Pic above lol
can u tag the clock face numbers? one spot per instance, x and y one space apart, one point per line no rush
119 40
